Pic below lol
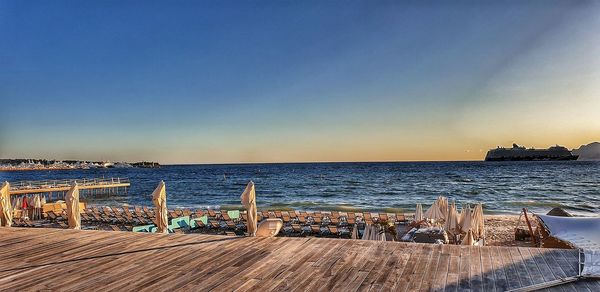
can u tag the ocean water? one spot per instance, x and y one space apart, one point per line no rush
503 187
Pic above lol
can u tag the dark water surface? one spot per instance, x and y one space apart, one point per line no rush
503 187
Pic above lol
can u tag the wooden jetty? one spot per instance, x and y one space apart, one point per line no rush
73 260
52 186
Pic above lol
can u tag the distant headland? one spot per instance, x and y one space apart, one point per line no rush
45 164
588 152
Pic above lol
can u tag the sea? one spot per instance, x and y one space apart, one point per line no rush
502 187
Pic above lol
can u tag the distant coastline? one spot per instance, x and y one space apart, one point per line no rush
44 164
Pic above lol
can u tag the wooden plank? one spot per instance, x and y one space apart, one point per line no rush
464 281
441 273
487 269
512 276
519 263
531 266
476 269
501 281
452 279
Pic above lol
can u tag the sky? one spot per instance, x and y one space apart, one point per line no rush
295 81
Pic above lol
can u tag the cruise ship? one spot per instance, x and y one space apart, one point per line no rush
518 153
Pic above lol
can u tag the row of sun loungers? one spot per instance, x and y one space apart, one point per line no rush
296 223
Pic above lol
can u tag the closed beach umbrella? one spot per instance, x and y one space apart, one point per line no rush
354 232
159 198
443 204
72 201
5 206
419 213
451 224
434 212
478 222
468 240
382 233
248 199
466 220
367 232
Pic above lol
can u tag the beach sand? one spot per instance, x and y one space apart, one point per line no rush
500 230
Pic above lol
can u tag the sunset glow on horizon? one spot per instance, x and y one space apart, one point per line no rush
216 82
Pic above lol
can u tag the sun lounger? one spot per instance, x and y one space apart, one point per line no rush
317 220
285 216
51 215
225 216
214 224
198 223
178 212
400 218
334 221
230 224
333 230
296 228
316 229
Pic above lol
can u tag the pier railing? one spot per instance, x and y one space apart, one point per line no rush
44 186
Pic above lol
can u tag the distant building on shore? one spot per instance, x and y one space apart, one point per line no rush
520 153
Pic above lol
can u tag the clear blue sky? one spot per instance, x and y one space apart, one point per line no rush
246 81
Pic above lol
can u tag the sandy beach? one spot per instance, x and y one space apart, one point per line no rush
499 229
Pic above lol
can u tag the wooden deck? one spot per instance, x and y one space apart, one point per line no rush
56 259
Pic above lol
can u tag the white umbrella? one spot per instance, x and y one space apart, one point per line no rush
419 213
468 240
466 219
248 199
354 232
159 198
5 206
73 212
382 233
478 222
451 224
367 232
434 212
443 204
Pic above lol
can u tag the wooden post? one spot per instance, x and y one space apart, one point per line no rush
529 226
